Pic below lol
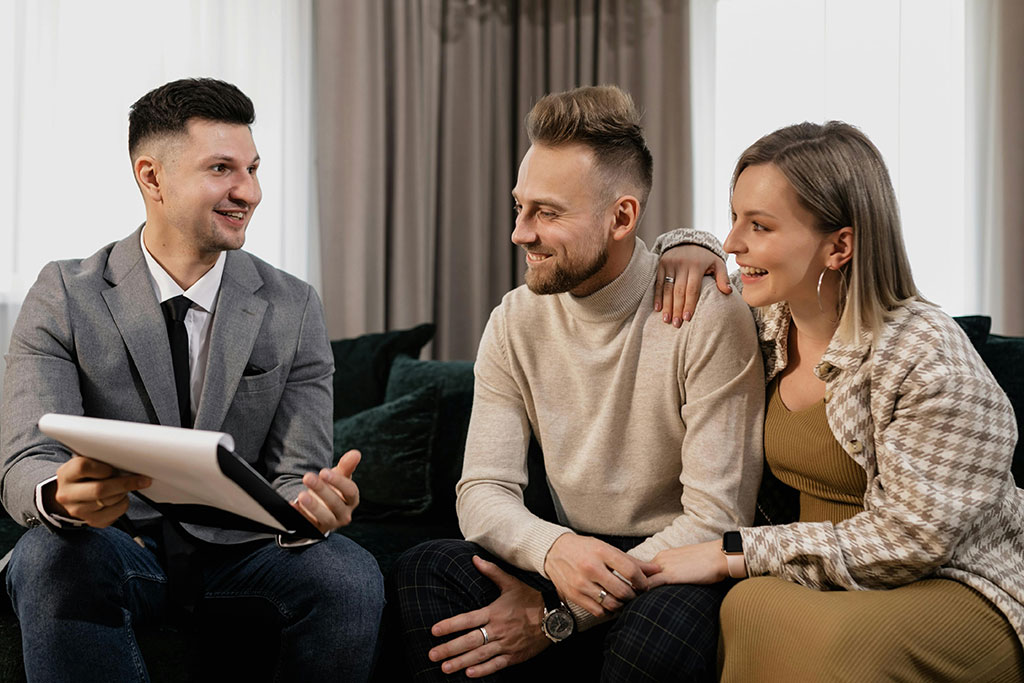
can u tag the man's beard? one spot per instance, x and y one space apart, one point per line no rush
568 276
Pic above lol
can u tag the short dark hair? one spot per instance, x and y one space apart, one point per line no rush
604 119
166 110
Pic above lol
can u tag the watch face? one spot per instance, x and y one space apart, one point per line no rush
559 623
732 542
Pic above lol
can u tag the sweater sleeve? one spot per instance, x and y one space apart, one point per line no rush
942 438
494 474
722 382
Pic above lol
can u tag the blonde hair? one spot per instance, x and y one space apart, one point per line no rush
839 176
604 119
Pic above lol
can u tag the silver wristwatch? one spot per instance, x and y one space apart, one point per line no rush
557 622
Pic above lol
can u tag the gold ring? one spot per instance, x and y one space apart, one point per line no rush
99 504
601 596
669 279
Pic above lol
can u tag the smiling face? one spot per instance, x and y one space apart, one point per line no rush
777 245
208 188
560 221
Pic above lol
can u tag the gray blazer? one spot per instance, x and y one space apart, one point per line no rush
91 340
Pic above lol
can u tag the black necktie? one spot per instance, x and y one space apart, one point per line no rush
174 315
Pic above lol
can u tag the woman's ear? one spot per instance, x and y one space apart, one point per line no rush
841 242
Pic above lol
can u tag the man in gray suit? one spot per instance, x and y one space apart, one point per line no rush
175 325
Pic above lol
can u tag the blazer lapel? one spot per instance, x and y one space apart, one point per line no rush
136 312
236 324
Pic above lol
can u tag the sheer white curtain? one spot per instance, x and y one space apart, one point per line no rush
68 73
898 70
995 168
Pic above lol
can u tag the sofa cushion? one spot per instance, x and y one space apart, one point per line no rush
395 440
361 365
1004 357
455 404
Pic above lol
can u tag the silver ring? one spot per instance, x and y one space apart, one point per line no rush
483 632
601 596
669 279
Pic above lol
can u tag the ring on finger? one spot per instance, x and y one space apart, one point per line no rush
99 504
669 279
601 596
483 632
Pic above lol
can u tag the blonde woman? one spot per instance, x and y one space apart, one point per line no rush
907 562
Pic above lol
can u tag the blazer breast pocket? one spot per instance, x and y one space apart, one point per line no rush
253 383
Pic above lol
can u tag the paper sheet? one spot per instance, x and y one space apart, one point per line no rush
181 462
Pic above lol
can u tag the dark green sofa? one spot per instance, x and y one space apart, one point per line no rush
409 418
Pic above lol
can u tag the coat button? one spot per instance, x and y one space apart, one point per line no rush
855 447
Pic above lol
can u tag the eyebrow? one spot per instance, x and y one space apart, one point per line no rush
545 201
756 212
226 157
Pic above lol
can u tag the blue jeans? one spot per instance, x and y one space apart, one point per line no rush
79 595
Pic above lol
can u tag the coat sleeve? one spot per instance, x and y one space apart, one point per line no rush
41 377
943 439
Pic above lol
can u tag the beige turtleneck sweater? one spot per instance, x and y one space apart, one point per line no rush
647 430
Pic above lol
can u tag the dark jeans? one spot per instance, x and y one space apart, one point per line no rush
80 593
667 634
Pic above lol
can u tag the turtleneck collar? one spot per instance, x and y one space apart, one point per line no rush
621 297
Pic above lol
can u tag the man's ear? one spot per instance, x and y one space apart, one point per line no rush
148 174
841 248
626 217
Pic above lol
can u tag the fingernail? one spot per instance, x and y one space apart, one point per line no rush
446 667
687 316
657 306
677 322
664 318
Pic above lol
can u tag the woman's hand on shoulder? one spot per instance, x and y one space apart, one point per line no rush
699 563
677 286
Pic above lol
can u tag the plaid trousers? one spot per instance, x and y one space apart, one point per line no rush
667 634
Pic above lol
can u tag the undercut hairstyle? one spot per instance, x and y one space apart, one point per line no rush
167 110
840 178
604 119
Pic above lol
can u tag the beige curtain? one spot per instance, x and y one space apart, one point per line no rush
995 81
420 106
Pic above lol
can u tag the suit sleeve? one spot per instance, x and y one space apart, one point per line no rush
41 377
301 434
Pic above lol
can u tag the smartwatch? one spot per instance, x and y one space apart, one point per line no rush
732 546
557 623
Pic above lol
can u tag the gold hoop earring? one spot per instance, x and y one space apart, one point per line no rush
821 308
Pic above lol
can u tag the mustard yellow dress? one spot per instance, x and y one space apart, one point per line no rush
929 630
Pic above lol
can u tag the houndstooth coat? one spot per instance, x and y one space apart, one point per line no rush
917 408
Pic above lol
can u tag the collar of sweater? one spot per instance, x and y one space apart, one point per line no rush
621 297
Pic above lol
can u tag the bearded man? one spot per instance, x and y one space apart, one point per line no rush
651 437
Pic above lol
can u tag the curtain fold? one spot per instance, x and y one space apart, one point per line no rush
995 73
419 113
